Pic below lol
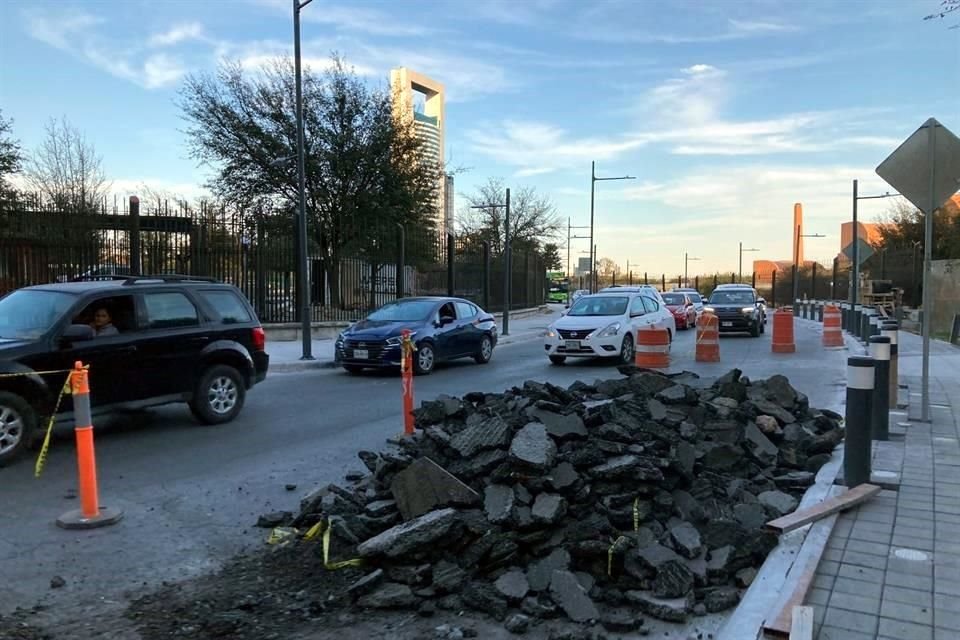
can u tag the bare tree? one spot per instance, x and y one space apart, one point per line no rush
66 170
11 157
533 218
947 7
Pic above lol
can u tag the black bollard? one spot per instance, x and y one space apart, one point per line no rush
857 443
890 329
880 352
864 325
855 321
844 317
796 308
820 306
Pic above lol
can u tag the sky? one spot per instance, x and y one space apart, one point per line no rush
726 112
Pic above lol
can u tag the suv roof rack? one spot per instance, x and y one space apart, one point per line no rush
166 277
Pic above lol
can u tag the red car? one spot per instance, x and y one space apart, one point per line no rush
681 306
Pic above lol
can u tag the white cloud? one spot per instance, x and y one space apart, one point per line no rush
75 33
353 18
537 148
699 68
177 34
748 27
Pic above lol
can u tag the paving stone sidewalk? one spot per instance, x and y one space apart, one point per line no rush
891 569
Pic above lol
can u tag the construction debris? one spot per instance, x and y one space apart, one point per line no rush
647 493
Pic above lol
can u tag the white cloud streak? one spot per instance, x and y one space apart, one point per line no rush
176 35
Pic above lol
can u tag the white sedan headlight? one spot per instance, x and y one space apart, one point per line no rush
609 331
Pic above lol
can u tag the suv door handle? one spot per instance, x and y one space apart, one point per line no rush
130 348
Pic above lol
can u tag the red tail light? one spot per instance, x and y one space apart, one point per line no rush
259 339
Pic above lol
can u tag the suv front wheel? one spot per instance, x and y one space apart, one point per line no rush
17 423
219 395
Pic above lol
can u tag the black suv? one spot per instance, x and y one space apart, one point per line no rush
148 340
737 309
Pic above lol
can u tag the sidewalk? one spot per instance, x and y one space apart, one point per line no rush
285 355
891 569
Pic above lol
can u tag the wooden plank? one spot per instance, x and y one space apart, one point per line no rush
777 625
801 628
828 507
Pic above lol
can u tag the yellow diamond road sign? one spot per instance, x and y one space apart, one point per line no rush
909 168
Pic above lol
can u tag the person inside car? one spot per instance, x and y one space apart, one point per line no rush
103 324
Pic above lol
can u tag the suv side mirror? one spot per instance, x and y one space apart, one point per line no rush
77 333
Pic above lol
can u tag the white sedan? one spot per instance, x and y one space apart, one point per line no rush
605 325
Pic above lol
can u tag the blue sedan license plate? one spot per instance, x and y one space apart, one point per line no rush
361 354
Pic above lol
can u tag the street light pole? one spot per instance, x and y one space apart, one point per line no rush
740 273
506 258
796 260
686 260
593 257
569 270
303 276
855 243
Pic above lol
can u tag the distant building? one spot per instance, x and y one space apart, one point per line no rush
430 125
764 270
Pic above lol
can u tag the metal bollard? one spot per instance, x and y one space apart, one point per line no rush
844 316
880 422
890 329
874 325
864 333
796 308
857 442
855 320
820 306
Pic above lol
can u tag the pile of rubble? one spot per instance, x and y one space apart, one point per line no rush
642 494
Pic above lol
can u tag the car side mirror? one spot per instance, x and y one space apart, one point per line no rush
77 333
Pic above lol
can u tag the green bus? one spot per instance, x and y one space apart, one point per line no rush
559 286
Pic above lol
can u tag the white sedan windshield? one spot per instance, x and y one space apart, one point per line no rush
600 306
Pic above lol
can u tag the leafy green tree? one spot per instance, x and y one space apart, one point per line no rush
551 256
11 157
365 168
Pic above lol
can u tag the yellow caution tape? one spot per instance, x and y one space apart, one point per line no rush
314 531
279 535
42 457
636 514
333 566
34 373
613 547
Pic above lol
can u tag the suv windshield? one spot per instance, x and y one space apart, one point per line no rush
411 311
673 298
28 314
599 306
732 297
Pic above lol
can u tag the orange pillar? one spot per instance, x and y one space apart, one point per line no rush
90 514
783 331
406 376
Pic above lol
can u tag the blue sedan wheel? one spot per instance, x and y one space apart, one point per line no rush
424 359
486 351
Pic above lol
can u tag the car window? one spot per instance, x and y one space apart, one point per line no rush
109 316
403 311
448 311
732 296
27 314
228 306
170 309
674 298
466 310
602 305
636 306
650 304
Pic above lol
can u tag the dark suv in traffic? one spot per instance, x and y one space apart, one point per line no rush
147 340
737 309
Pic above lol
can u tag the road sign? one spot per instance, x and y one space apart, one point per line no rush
864 250
908 169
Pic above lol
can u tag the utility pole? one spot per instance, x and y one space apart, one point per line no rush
740 273
593 256
302 272
796 261
569 271
507 263
686 261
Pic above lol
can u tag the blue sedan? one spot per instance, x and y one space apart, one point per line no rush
442 329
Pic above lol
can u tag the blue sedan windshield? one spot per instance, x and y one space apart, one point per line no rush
28 314
403 311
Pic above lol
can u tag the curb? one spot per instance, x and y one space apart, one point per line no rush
296 367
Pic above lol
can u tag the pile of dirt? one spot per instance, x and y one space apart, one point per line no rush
596 503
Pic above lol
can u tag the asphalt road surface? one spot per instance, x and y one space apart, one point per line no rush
191 493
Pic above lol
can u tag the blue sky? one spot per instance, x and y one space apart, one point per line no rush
727 112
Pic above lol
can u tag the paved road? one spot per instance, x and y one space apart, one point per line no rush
191 494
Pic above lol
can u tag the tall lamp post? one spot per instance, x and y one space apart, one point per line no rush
740 273
506 258
569 271
686 261
593 256
302 272
855 251
796 259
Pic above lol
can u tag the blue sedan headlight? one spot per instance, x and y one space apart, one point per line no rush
396 340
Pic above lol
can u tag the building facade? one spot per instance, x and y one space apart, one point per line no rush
430 126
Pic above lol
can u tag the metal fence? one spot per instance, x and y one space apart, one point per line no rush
258 253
